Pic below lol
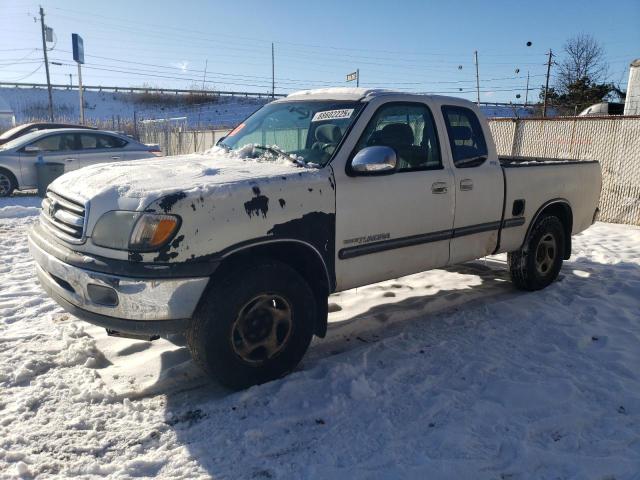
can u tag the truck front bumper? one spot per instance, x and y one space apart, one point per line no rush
121 303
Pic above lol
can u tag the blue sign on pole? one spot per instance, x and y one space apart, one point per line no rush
78 47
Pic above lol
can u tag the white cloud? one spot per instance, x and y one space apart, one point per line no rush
182 65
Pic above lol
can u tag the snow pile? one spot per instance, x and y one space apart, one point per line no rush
20 206
445 374
18 211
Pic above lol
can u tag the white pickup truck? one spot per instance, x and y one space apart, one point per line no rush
322 191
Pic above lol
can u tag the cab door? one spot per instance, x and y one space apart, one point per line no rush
394 224
478 185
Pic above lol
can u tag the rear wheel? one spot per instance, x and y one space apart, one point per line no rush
7 183
538 263
254 325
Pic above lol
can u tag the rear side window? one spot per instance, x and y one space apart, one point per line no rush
408 129
90 141
468 145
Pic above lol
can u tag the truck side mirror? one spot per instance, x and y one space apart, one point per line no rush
377 160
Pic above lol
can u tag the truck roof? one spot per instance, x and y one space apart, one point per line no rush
347 93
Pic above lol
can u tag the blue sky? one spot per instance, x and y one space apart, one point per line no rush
412 45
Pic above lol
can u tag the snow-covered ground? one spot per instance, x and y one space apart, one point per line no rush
114 107
445 374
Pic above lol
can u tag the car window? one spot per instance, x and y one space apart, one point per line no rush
56 143
90 141
468 145
409 130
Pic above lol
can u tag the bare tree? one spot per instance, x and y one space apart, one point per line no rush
584 60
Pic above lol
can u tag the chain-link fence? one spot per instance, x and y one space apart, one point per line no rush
613 141
177 138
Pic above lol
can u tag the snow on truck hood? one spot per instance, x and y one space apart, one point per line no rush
133 185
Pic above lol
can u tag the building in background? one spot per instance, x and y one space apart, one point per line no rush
7 117
632 101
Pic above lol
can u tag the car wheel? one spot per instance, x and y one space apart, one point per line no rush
7 183
538 263
253 324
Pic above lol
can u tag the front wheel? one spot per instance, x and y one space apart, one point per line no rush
7 183
539 261
254 325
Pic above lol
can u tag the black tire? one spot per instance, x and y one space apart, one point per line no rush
538 263
212 337
7 183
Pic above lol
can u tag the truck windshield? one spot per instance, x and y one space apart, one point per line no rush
308 130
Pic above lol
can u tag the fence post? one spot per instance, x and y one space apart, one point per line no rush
136 135
514 140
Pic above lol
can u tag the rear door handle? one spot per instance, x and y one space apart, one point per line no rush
115 158
69 159
466 184
439 187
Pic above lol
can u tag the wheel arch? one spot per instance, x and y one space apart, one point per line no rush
14 177
560 208
299 255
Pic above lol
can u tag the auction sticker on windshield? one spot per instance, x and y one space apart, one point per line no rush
332 115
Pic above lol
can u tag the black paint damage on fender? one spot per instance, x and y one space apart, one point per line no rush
259 204
164 254
167 203
315 228
282 202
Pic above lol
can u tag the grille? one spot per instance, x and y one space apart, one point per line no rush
64 217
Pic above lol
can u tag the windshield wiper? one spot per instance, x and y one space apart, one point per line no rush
276 151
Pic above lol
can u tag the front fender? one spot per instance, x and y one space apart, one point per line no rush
297 206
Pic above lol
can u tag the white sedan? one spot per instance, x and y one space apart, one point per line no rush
75 148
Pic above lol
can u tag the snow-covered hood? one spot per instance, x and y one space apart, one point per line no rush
133 185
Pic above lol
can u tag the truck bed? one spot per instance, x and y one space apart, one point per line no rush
576 183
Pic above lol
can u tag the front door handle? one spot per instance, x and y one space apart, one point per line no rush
439 187
115 157
69 159
466 184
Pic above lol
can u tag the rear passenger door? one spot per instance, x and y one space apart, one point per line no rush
478 185
100 148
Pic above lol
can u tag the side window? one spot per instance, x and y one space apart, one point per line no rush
56 143
408 129
89 141
108 141
468 146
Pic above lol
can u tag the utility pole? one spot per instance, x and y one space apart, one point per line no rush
46 65
475 54
273 72
204 78
81 95
546 87
526 95
357 77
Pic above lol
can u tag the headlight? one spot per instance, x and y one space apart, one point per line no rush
136 231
